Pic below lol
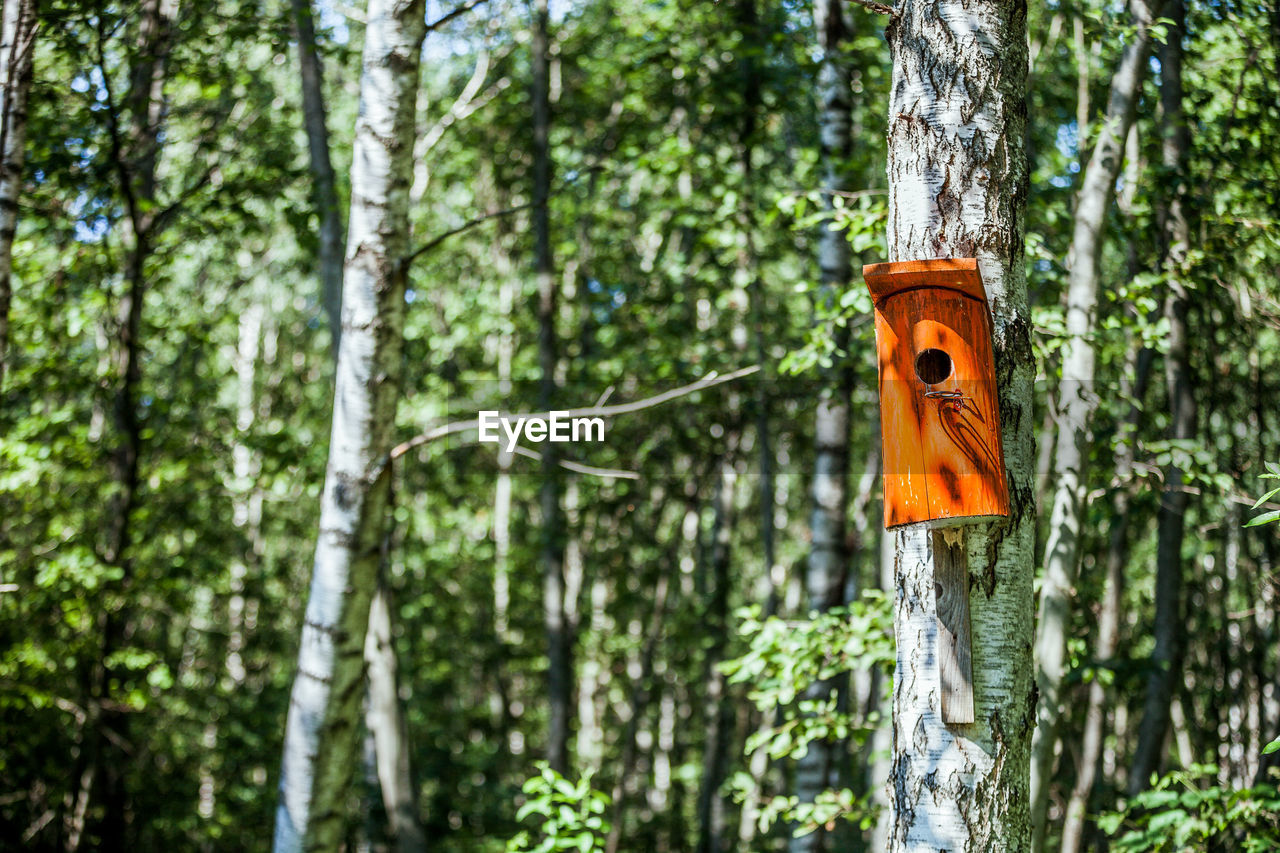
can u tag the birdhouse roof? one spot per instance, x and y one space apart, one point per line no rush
958 274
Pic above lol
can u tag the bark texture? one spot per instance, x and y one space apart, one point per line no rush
17 45
1077 402
322 737
827 569
1171 518
325 185
957 188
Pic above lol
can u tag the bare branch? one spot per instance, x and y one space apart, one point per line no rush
449 16
708 381
878 8
578 467
466 226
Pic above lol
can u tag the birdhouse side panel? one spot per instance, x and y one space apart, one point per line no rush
906 498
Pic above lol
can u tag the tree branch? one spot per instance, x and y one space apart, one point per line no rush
453 427
878 8
466 226
579 468
449 16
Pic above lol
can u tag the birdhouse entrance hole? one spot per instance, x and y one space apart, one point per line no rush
933 366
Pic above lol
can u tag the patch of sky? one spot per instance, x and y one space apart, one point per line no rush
334 21
90 225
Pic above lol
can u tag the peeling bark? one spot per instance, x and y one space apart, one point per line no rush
322 736
957 188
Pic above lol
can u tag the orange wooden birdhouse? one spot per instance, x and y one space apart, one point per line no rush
939 412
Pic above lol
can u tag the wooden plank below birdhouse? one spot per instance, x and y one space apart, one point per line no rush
951 591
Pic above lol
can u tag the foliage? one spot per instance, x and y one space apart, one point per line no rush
1185 812
1273 473
796 671
572 814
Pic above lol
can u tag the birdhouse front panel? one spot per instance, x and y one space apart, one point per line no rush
939 411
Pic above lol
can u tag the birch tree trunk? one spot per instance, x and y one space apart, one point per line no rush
324 183
322 736
957 188
1077 402
17 46
1170 521
385 718
828 563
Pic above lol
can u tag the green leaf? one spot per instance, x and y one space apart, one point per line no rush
1265 518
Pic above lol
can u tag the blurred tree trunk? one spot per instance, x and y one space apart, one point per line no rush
827 569
1077 402
719 710
559 642
748 274
1166 657
322 737
136 143
17 47
385 721
1110 613
324 185
957 188
642 688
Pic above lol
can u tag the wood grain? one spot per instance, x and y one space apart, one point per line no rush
955 659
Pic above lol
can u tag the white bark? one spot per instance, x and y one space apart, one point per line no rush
1077 402
957 188
386 724
322 743
17 44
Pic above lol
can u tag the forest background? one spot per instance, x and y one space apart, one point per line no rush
609 201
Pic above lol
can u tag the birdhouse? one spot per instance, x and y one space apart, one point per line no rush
939 412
